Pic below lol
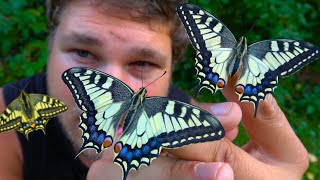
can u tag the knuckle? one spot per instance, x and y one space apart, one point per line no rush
176 166
302 160
224 152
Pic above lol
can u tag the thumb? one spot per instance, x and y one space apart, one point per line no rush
166 168
172 168
244 165
214 170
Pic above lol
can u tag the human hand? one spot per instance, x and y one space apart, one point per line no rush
169 167
273 152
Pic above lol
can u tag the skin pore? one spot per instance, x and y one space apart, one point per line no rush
115 45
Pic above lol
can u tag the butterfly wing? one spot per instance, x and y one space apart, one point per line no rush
103 100
161 122
11 117
266 61
47 107
214 43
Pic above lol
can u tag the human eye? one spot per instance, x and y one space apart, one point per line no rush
84 56
141 66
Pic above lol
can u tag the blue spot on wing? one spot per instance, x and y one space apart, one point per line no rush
101 138
127 154
247 90
260 90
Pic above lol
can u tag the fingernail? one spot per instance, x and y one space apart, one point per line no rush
225 172
221 109
217 171
207 170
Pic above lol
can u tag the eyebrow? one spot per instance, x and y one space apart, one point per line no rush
82 38
93 40
148 53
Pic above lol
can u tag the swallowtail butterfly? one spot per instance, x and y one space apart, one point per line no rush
219 55
150 123
30 112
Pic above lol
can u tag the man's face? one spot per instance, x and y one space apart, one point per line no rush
88 36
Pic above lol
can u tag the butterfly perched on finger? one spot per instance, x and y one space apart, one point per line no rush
259 65
30 112
150 123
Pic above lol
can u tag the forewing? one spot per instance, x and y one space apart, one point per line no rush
103 98
177 124
266 61
47 107
284 57
206 33
214 43
11 117
163 123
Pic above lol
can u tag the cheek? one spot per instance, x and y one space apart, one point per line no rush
56 87
160 87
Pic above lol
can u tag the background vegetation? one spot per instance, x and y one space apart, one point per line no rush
23 53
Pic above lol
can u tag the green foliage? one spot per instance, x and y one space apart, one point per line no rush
23 52
23 33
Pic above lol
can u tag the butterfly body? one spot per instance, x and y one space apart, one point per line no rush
30 112
220 56
150 123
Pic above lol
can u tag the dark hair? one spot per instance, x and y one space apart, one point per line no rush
164 10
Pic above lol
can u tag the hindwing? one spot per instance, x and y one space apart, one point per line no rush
219 56
103 100
47 107
215 45
149 123
161 122
266 61
30 113
11 117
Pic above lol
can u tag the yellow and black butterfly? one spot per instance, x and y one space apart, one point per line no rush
30 112
150 123
219 55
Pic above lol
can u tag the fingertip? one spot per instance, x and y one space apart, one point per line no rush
215 170
228 113
270 112
225 172
232 134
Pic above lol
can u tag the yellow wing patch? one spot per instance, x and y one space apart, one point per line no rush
30 112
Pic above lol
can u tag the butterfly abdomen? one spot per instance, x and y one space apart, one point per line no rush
240 56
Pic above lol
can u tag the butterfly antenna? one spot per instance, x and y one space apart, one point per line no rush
252 27
241 22
15 87
157 79
26 85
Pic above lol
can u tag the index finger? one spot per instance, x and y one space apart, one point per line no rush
270 130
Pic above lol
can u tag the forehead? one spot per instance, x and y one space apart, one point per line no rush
104 12
112 27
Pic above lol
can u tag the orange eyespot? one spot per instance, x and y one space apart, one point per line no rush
107 143
221 83
240 89
32 123
118 147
